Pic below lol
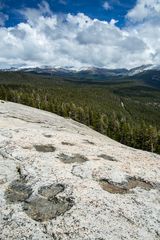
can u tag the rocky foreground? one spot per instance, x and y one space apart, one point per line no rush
61 180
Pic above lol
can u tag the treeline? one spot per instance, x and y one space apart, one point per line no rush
139 135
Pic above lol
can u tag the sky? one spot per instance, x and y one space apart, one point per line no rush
79 33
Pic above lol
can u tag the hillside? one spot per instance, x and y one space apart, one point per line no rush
61 180
125 109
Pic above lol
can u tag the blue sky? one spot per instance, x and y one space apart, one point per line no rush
78 34
92 8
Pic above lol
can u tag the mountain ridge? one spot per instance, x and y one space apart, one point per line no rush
86 70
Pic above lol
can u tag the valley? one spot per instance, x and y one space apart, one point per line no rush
126 109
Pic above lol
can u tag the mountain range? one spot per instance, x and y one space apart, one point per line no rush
85 70
145 74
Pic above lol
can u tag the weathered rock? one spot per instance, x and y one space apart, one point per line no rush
61 180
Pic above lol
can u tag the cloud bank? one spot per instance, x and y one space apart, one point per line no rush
78 41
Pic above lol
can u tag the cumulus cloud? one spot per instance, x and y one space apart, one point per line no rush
77 40
145 10
32 14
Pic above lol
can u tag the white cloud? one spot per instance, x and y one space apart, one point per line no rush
106 6
33 14
145 10
77 40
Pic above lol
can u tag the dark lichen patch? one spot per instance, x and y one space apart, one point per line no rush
76 158
133 183
18 191
51 191
107 157
45 148
42 209
47 205
68 144
112 188
123 188
19 171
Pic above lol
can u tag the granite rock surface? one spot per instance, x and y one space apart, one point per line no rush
61 180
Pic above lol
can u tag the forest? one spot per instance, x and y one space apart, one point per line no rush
126 111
